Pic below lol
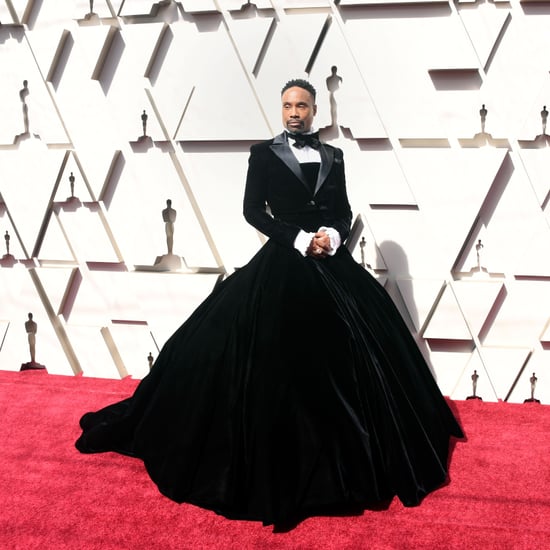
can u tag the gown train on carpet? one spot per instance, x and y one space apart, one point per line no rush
294 389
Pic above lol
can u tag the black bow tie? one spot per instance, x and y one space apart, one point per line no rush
301 140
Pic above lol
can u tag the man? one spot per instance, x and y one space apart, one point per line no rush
301 179
295 388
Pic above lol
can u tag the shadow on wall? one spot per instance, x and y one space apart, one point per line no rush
399 286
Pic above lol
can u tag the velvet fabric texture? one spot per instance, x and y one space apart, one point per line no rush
295 389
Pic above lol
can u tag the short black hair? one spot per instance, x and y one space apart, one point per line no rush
301 83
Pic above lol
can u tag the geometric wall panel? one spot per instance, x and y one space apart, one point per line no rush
535 160
441 112
212 172
55 246
375 166
502 366
87 235
538 366
452 372
477 301
447 321
57 285
522 317
133 342
420 296
484 384
484 26
21 295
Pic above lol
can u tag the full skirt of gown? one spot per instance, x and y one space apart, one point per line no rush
295 389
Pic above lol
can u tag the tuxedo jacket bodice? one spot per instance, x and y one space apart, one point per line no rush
278 200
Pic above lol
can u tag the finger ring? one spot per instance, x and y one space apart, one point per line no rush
318 251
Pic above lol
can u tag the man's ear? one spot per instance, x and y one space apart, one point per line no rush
314 110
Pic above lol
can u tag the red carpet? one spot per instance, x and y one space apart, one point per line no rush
52 497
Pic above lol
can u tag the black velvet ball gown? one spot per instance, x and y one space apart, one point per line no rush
295 389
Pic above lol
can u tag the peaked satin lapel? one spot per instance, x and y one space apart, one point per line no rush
281 148
327 158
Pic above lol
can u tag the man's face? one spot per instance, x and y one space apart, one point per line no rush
298 110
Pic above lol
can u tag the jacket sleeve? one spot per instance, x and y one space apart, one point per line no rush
255 203
342 216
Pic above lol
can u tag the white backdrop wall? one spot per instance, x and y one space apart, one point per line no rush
440 108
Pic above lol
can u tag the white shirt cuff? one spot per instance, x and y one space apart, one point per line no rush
335 239
302 241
